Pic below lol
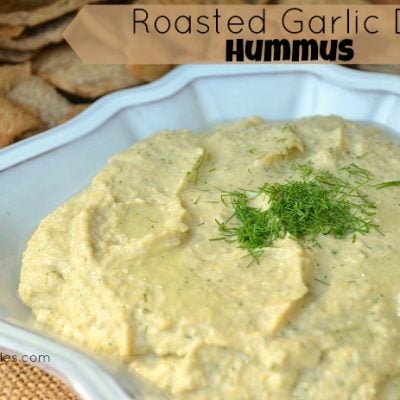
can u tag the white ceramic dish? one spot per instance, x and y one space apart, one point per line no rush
38 174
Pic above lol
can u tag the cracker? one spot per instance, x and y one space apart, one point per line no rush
73 112
9 31
27 135
306 2
7 6
40 95
10 75
39 36
15 121
385 68
192 2
63 69
14 57
149 72
32 12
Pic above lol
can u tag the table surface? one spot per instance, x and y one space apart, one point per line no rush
21 381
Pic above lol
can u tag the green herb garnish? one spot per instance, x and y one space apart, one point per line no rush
387 184
322 281
318 203
193 175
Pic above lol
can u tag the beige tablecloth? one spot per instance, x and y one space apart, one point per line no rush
20 381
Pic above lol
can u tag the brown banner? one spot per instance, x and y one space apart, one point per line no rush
184 34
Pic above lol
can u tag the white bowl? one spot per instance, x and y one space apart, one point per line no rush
40 173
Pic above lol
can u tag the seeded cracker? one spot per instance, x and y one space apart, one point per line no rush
73 112
10 75
148 72
63 69
306 2
191 2
15 57
40 36
9 31
385 68
32 12
15 121
37 93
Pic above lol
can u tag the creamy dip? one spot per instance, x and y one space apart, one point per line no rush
127 268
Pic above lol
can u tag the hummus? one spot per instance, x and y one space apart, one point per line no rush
127 268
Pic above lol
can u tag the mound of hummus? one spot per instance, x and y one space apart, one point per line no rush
130 268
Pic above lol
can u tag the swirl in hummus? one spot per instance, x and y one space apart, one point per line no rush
127 268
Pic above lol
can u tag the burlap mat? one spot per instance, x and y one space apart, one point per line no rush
20 381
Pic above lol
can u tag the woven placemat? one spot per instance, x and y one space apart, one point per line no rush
21 381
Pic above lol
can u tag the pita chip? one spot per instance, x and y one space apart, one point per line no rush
73 112
36 93
38 37
9 31
15 57
35 12
63 69
15 121
148 72
10 75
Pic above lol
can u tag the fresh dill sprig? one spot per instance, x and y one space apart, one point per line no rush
318 203
387 184
304 169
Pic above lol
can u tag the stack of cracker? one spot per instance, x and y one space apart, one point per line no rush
26 26
42 82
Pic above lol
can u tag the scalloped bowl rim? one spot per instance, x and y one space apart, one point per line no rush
104 108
